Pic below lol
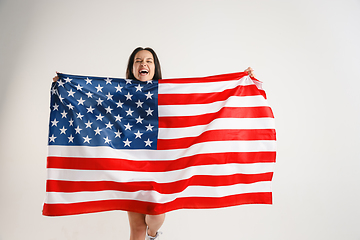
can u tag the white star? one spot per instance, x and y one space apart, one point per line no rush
79 115
60 83
108 80
149 95
88 124
128 96
108 109
139 120
128 81
71 122
117 134
77 130
128 126
97 131
89 94
148 142
54 122
118 118
139 103
71 107
139 88
63 130
149 112
78 87
99 88
149 82
88 81
52 138
119 104
71 93
107 140
118 88
127 142
86 139
99 102
129 112
63 114
99 117
56 107
61 98
81 101
109 125
71 138
90 109
138 134
53 91
67 79
109 96
149 127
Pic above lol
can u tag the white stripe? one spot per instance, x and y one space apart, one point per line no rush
198 109
155 197
158 155
217 124
159 177
202 87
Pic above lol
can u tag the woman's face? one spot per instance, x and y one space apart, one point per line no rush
144 66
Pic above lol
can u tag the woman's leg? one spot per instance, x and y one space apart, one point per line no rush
154 222
137 226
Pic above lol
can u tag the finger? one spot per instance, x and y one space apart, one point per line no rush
250 72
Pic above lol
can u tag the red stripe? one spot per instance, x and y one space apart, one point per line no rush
217 135
215 78
158 166
226 112
163 188
155 208
204 98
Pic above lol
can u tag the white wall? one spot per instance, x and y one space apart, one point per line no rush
306 52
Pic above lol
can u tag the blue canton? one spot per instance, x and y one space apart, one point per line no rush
95 111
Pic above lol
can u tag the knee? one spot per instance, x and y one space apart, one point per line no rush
155 218
137 224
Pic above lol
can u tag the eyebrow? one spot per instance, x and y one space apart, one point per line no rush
145 58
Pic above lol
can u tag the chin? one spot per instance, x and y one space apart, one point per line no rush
143 79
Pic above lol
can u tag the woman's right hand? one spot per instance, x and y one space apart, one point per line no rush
56 77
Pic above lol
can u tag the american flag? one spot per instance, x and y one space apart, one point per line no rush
158 146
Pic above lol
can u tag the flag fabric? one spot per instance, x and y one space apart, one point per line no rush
158 146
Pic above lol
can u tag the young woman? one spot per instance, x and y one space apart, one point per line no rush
144 65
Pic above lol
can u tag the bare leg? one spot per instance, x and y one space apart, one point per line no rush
137 226
154 222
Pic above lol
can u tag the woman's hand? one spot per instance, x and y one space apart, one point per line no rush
250 71
56 77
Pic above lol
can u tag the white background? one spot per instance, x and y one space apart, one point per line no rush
306 52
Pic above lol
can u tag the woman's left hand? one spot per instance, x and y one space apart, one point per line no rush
250 71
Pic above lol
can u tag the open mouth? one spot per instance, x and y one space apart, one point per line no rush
143 72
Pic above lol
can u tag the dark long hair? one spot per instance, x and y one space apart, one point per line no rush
129 72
